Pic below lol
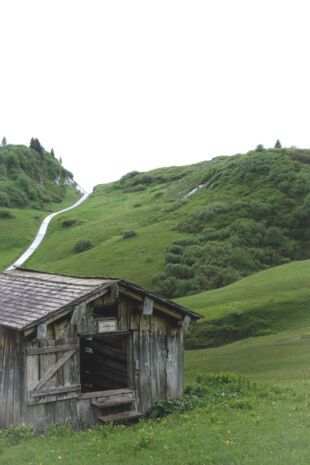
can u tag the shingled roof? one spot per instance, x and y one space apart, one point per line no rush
28 296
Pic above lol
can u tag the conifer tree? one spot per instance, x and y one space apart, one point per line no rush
35 145
277 145
3 141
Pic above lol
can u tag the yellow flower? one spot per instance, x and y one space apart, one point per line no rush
59 457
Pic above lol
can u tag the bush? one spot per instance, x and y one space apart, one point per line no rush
179 270
191 254
129 175
172 258
175 249
6 214
260 209
129 233
204 214
186 241
82 245
136 188
174 206
68 222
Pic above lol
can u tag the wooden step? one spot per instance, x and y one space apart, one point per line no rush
120 417
113 402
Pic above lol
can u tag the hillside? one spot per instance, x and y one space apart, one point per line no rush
245 213
268 302
32 183
30 177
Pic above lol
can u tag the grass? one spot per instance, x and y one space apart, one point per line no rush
105 216
18 231
277 358
271 301
247 217
282 284
232 423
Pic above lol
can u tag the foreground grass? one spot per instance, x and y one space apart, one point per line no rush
230 425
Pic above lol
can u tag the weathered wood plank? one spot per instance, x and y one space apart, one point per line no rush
53 391
54 349
148 306
52 370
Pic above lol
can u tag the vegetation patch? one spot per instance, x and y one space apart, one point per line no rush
129 233
68 222
82 245
30 176
222 418
6 214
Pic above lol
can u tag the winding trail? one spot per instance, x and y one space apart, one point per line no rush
43 228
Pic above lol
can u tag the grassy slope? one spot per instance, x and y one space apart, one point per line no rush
159 216
282 292
17 233
283 287
105 215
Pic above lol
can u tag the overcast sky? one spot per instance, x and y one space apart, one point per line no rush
121 85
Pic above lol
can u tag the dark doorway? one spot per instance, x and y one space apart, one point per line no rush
103 362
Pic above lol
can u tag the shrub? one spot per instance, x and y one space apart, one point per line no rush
174 206
166 286
179 270
129 175
260 209
6 214
129 233
188 287
204 214
82 245
186 241
172 258
175 249
191 254
68 222
136 188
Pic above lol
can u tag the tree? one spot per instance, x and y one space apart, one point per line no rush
35 145
277 145
60 160
260 148
4 141
53 153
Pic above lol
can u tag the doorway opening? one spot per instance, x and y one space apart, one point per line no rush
104 362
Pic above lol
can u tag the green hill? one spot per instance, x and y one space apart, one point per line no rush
32 183
272 305
268 302
30 177
246 213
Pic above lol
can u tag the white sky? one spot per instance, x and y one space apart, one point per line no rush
121 85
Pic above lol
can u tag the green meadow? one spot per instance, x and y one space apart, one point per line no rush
260 414
236 251
18 230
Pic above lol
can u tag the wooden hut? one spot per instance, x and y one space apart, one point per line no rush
85 350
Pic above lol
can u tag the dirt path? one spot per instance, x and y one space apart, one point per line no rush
43 228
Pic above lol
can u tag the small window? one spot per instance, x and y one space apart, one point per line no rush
106 311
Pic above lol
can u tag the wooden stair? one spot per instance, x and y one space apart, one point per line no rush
113 403
117 406
121 417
